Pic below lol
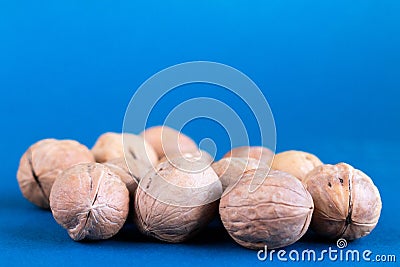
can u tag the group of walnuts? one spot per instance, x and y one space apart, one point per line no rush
171 190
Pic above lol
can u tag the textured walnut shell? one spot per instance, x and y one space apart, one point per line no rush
129 175
277 214
196 155
89 201
297 163
43 162
113 145
168 141
130 171
347 203
230 170
173 205
263 154
196 161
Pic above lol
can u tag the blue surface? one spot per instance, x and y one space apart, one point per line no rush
329 69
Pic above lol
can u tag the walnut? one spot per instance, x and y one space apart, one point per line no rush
263 154
131 174
347 203
43 162
297 163
230 170
276 214
200 158
173 204
168 141
113 145
89 201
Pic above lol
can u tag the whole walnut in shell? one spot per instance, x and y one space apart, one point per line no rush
113 145
168 141
89 201
173 204
276 214
347 203
297 163
230 170
263 154
200 158
43 162
195 155
129 175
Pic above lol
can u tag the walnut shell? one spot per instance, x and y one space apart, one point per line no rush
347 203
43 162
196 155
277 214
263 154
190 161
173 205
168 141
297 163
129 175
89 201
230 170
113 145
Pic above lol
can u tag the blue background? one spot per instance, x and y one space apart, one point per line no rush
329 69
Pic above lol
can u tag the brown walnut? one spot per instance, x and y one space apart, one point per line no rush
168 141
347 203
129 175
195 156
297 163
43 162
263 154
113 145
276 214
230 170
172 204
196 161
89 201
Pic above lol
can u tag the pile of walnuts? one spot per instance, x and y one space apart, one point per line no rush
171 190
